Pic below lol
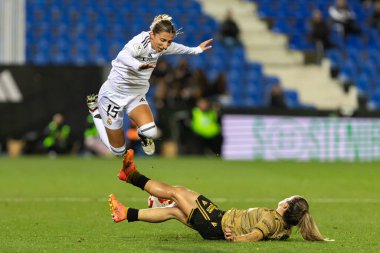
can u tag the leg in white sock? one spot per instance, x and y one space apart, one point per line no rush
146 133
148 130
100 127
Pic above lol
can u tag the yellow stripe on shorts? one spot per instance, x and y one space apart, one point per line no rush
203 212
190 215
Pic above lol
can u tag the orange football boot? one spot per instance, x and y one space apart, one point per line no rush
128 165
119 212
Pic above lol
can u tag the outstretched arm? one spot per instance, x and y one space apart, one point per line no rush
254 236
176 48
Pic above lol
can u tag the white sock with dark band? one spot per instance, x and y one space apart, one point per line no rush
100 127
148 130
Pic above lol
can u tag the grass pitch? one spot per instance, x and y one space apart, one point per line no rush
60 205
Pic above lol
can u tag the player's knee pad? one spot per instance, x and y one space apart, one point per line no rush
119 151
148 130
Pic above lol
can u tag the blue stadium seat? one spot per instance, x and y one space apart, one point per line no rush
254 100
254 67
375 98
282 26
300 42
41 58
369 69
272 80
335 57
363 84
348 71
355 55
291 99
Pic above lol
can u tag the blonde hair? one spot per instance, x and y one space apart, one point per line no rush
298 214
162 23
309 229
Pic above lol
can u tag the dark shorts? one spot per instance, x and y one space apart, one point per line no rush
207 219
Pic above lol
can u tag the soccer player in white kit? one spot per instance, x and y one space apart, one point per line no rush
128 82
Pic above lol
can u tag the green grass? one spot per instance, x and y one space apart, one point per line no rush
60 205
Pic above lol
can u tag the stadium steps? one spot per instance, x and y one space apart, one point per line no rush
315 86
261 45
313 83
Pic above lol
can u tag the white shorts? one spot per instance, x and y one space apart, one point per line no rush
112 106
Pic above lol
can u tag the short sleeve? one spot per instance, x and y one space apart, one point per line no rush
266 225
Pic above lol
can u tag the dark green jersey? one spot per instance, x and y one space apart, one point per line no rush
268 221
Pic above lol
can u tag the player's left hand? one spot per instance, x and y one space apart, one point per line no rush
205 45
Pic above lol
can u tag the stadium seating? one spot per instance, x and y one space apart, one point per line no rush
80 32
357 57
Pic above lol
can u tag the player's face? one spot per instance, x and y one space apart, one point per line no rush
284 202
161 41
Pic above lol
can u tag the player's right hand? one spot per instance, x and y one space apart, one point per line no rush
228 235
147 66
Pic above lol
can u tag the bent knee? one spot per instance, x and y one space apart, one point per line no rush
176 213
178 191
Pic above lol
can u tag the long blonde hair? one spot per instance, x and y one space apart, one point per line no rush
298 214
162 23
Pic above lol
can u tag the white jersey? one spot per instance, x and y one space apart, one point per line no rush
125 76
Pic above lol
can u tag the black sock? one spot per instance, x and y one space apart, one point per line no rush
132 214
139 180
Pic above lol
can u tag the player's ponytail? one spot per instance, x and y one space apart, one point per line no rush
297 214
309 229
162 23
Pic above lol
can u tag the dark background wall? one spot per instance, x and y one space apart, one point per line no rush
46 91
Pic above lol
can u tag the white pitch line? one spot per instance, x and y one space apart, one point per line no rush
215 199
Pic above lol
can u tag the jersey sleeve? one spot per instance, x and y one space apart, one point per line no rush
131 50
176 48
266 225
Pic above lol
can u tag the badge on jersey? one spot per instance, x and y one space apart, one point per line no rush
137 47
109 121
